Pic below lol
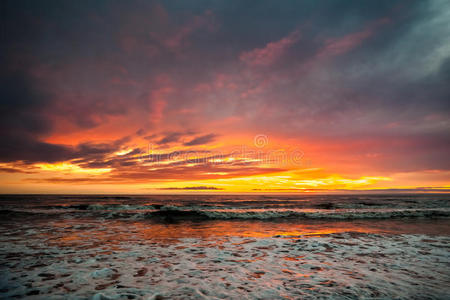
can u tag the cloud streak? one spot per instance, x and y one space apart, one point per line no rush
272 52
201 140
192 188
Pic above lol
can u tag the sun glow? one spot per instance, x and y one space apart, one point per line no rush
123 152
71 168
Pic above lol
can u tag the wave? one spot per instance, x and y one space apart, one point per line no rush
11 213
169 213
112 207
258 206
173 215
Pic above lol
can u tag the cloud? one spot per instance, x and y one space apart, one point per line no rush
192 188
361 191
15 170
174 137
138 174
272 52
23 120
170 138
201 140
180 37
344 44
379 101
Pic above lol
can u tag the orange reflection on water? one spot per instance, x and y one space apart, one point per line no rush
91 233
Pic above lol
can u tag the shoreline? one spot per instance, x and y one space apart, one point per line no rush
116 259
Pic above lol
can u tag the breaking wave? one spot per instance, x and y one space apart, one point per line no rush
178 208
291 214
174 214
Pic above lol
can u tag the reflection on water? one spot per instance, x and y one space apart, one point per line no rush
92 232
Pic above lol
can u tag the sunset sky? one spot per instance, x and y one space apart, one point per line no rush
224 96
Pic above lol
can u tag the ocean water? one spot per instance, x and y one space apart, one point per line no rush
225 246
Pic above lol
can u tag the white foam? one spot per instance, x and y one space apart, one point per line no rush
340 265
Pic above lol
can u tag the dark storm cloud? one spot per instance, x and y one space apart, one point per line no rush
29 150
29 37
23 120
23 105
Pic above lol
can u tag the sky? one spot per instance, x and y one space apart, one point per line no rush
224 96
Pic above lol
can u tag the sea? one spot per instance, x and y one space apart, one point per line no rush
227 246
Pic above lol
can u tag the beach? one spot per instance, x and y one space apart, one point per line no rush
91 247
